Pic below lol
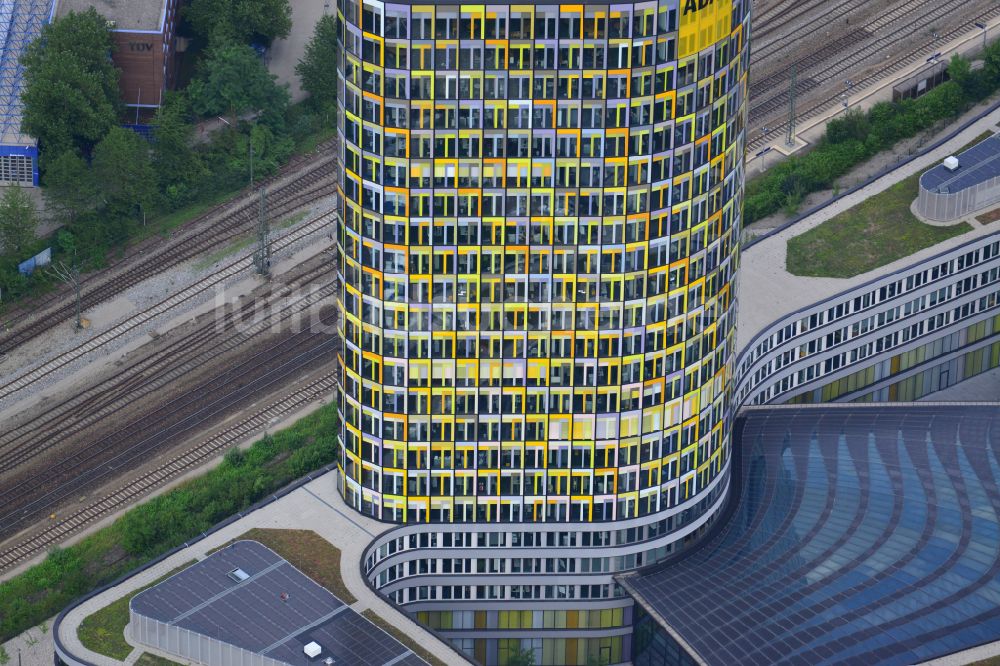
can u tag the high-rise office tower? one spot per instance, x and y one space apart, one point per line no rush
541 208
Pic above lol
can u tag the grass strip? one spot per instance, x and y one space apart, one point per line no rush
245 241
989 217
874 233
308 552
167 222
103 631
393 631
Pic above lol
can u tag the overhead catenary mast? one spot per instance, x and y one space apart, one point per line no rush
262 256
790 139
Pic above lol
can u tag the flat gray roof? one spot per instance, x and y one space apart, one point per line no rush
127 14
275 611
976 165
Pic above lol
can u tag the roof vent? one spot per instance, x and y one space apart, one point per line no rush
238 575
328 661
312 649
951 163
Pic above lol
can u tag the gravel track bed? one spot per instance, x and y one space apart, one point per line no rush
145 295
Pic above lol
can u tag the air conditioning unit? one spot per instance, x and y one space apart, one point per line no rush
312 649
238 575
951 163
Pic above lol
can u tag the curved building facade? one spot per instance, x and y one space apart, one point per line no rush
541 210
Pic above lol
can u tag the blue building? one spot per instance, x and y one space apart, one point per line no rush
21 22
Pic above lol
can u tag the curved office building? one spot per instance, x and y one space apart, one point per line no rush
541 205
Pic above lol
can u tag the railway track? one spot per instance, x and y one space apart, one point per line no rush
36 493
767 109
61 361
763 50
316 180
883 20
788 11
211 339
128 493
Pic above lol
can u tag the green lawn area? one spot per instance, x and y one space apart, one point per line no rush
874 233
400 636
309 553
104 631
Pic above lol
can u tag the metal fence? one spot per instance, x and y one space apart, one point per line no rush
943 207
192 645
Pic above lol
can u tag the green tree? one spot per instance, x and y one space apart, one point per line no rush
70 84
521 657
234 81
241 21
269 149
960 71
852 125
18 221
991 64
317 69
67 244
124 173
69 186
179 168
944 102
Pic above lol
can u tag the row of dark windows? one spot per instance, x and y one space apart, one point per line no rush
537 85
449 114
517 26
543 23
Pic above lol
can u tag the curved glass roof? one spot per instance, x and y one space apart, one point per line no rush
861 534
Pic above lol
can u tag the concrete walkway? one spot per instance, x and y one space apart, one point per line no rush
316 506
286 53
767 291
32 647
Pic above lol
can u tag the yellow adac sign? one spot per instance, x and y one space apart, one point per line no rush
702 24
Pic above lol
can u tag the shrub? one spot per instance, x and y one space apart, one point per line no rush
168 520
857 136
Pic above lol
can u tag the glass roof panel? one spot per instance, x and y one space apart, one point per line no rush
863 534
